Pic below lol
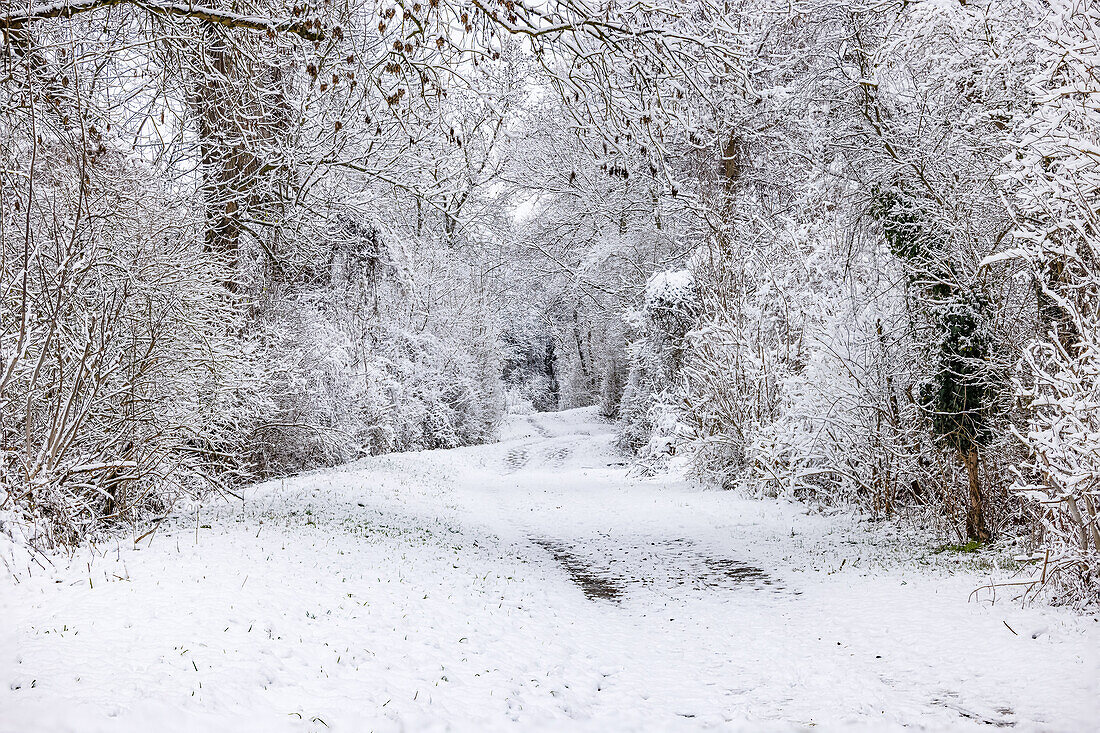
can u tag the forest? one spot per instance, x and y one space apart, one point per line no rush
837 255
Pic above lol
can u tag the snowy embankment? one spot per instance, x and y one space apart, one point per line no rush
527 584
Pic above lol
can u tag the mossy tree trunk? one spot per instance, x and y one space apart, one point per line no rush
976 528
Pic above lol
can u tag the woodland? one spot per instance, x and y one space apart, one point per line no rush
841 252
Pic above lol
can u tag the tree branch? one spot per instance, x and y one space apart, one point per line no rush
310 30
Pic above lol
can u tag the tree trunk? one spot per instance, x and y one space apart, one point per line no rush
222 173
975 517
586 372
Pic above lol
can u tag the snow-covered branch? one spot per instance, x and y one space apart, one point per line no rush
310 29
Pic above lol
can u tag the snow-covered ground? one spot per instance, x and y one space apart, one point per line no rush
529 584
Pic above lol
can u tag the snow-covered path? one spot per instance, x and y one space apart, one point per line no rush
529 584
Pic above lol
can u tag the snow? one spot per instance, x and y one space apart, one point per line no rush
669 288
433 591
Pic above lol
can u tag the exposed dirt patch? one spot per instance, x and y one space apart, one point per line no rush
517 458
595 584
605 571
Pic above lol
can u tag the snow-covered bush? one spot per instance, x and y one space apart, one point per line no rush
1062 474
657 335
108 327
307 418
425 392
1057 173
749 340
847 432
670 307
334 385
